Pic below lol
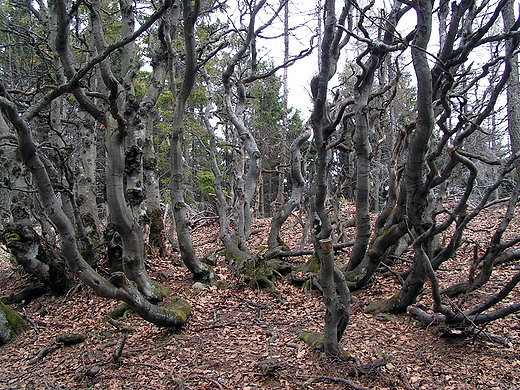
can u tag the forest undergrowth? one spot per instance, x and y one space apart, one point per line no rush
239 337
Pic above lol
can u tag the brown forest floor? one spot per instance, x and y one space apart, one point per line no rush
233 332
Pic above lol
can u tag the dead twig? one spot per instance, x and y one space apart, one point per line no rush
33 324
42 353
125 331
215 326
397 275
335 379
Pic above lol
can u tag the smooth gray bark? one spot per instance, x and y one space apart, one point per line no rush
200 270
119 287
297 192
337 305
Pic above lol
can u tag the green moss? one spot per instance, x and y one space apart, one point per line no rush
280 266
11 323
382 306
11 238
210 259
222 285
356 277
180 309
439 330
312 339
162 291
308 285
238 259
312 265
345 356
119 311
70 338
282 243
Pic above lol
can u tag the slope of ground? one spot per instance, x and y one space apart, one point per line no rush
244 338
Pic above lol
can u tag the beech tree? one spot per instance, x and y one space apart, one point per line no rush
81 100
429 152
244 78
335 291
133 285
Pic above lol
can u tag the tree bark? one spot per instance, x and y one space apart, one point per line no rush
337 314
362 91
122 217
199 270
297 192
119 287
148 115
513 84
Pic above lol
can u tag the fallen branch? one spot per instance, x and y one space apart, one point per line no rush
335 379
366 369
42 353
308 252
125 331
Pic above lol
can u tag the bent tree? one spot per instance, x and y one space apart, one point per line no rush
440 160
133 285
436 160
335 291
201 271
87 80
454 104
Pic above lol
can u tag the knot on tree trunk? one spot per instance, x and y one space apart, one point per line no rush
135 196
133 159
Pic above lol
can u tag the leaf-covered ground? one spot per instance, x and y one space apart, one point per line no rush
244 338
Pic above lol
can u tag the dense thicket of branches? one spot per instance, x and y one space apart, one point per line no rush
126 115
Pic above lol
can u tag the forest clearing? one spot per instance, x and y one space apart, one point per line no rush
240 337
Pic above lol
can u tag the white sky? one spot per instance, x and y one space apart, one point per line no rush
304 14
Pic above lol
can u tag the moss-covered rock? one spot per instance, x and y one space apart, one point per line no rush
11 324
